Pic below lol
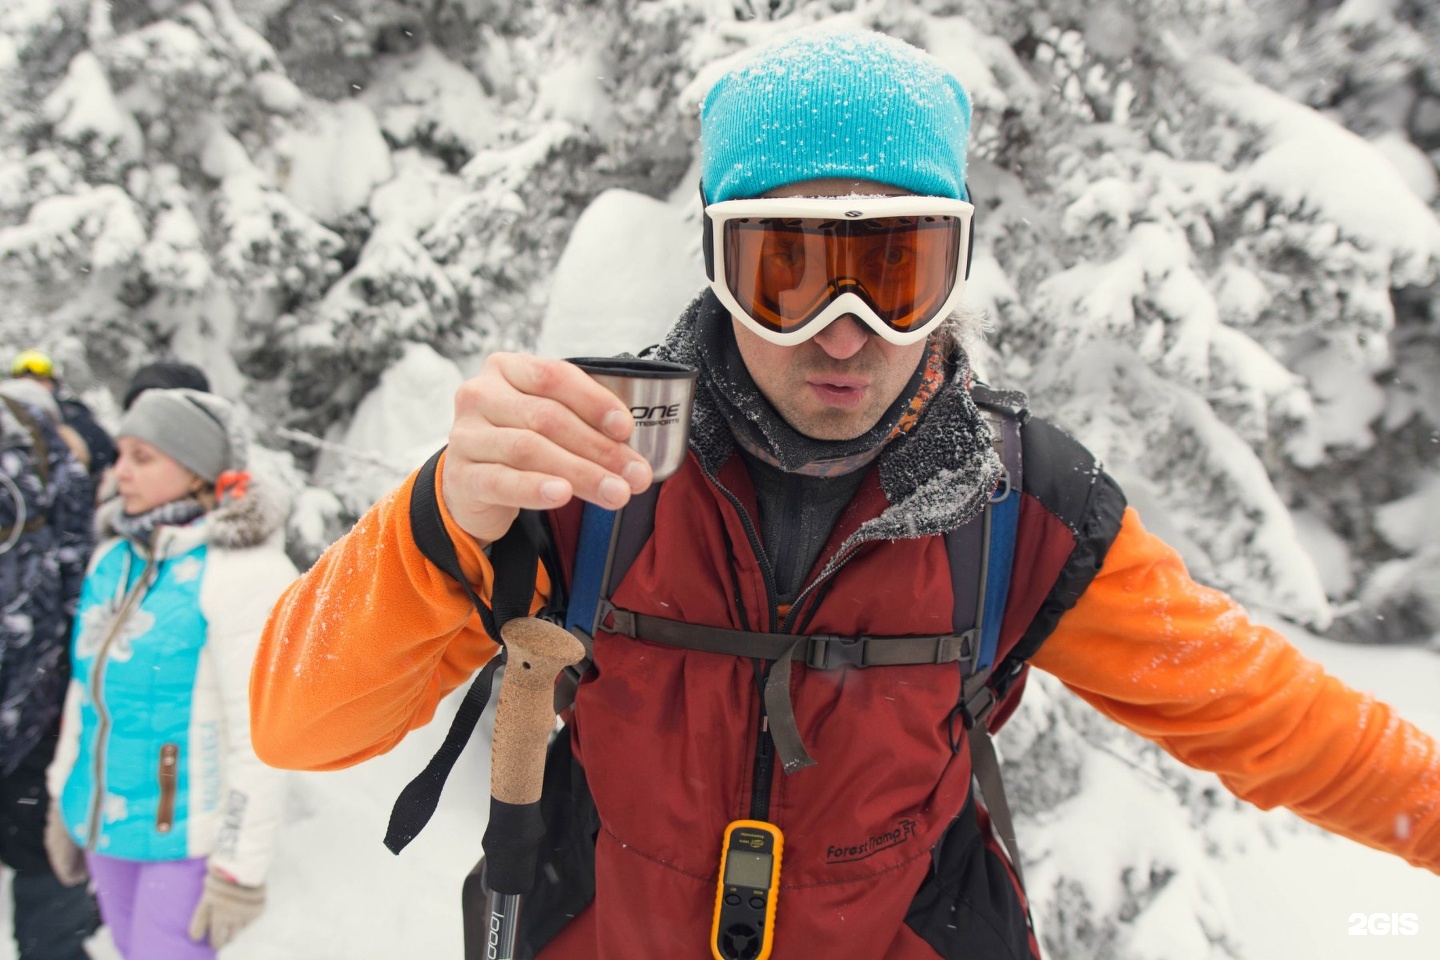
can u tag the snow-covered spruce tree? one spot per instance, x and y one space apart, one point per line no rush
1371 67
157 236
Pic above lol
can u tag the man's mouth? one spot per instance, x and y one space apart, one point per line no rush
839 391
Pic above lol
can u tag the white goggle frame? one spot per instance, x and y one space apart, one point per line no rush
836 208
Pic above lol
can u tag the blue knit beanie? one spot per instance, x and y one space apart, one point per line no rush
828 104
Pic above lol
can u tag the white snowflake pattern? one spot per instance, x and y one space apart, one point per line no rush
116 809
188 570
95 623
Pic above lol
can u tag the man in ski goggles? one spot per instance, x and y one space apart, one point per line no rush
787 267
841 503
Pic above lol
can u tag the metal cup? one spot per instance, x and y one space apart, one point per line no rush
659 395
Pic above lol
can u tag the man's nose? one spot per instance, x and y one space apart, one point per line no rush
843 338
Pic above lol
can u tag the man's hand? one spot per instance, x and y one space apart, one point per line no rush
530 433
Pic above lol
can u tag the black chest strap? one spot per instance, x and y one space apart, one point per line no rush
816 651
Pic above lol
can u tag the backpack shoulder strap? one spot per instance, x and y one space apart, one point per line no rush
513 557
995 530
610 540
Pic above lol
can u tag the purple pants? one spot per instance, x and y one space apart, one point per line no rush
148 906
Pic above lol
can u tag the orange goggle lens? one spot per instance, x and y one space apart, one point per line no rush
784 272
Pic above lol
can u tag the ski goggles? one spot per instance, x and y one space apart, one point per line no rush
32 363
788 267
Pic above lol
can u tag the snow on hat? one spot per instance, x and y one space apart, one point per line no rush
165 374
33 394
200 431
830 104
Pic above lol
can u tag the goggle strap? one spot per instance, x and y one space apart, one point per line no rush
707 237
969 198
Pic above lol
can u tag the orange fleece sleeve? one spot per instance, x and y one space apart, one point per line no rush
1183 665
360 650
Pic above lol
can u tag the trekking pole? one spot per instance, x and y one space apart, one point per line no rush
536 652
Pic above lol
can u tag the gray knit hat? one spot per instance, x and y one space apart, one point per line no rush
198 430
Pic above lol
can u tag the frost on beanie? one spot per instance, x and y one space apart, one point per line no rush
830 104
197 430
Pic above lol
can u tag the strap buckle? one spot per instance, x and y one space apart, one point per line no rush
830 652
978 703
612 619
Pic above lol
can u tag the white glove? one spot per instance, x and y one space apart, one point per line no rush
225 908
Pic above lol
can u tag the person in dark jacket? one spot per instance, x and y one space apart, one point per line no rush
40 367
46 515
839 451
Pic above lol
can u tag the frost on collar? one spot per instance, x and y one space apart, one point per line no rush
936 476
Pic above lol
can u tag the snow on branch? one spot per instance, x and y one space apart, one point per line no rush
394 293
1355 186
268 244
1218 489
87 116
101 228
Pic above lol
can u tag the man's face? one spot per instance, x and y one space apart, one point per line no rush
837 384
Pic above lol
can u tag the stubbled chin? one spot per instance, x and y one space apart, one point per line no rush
832 423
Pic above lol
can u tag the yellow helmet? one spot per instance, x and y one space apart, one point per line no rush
32 363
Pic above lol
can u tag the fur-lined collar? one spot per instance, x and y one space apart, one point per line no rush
236 524
937 476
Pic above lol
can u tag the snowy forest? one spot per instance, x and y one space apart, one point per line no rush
1208 246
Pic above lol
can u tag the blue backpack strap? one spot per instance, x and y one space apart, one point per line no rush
1002 525
592 557
610 540
991 538
982 555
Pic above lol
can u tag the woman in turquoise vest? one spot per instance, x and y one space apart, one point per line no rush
155 776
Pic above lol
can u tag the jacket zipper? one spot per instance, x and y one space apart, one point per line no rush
97 685
757 548
763 769
763 776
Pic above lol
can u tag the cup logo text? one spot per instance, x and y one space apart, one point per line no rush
656 416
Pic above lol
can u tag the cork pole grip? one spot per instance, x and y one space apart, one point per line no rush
525 712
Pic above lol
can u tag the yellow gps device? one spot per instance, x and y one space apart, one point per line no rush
744 927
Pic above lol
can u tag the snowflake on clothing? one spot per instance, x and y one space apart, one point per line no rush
95 624
188 570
